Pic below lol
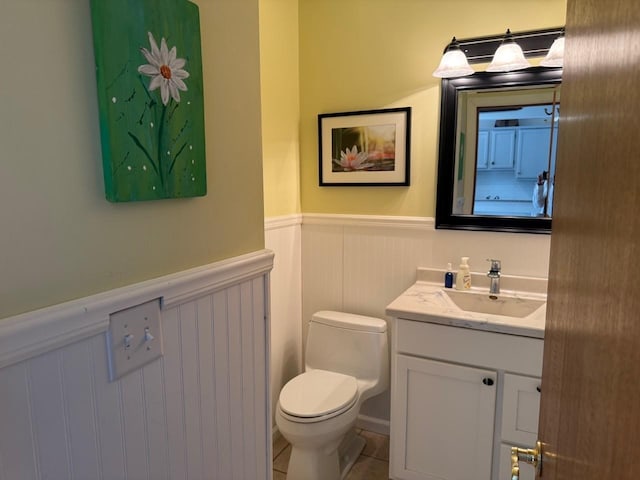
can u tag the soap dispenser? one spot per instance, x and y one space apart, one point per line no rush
448 277
463 279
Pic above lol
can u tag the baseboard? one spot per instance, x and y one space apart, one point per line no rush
372 424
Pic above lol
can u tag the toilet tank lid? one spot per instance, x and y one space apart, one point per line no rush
350 321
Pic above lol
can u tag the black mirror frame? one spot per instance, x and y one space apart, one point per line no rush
445 219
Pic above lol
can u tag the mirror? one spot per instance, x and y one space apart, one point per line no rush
498 140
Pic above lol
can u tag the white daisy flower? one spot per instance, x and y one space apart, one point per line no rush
165 69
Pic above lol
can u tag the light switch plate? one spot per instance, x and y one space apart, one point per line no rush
134 338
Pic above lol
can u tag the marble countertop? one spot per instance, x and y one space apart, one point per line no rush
427 301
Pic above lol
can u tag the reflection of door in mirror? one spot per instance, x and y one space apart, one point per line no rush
506 142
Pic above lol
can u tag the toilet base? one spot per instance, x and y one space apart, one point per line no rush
310 465
353 446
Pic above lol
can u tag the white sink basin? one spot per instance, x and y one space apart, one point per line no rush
505 305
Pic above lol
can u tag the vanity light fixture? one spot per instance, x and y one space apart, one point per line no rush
508 56
460 53
555 56
453 63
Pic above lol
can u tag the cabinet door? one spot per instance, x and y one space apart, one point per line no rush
520 410
502 148
533 152
482 152
443 418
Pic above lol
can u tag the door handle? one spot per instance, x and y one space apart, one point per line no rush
532 456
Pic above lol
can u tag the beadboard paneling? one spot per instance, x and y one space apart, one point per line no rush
360 263
283 237
379 263
199 412
18 454
322 270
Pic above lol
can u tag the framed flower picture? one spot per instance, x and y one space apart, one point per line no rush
150 98
365 148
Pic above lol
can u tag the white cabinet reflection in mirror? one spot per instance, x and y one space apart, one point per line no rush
514 146
452 388
496 149
532 156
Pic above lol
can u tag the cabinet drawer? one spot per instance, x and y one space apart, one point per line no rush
520 410
467 346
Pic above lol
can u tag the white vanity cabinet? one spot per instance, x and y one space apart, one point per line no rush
460 398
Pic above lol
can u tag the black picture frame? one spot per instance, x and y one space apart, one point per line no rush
365 148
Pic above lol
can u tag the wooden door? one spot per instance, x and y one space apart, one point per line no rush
590 411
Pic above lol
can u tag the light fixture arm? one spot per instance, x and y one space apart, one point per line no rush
534 43
508 37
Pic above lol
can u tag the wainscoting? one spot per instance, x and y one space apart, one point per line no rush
360 263
282 236
202 411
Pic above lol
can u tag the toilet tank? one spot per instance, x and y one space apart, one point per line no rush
351 344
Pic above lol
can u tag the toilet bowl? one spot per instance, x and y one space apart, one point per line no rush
347 361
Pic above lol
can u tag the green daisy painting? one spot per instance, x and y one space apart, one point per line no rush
150 98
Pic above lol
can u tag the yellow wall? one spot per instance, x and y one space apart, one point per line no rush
369 54
60 239
280 106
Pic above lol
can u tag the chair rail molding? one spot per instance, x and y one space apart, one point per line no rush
418 223
274 223
33 333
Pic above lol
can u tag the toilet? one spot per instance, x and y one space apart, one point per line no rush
347 362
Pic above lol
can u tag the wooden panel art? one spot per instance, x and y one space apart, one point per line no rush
150 96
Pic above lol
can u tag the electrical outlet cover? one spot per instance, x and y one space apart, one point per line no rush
134 338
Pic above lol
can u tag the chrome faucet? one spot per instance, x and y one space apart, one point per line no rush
494 276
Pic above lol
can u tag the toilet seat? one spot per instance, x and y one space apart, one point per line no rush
318 395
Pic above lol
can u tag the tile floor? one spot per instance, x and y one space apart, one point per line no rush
373 463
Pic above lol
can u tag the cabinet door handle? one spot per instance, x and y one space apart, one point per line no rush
487 381
539 389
